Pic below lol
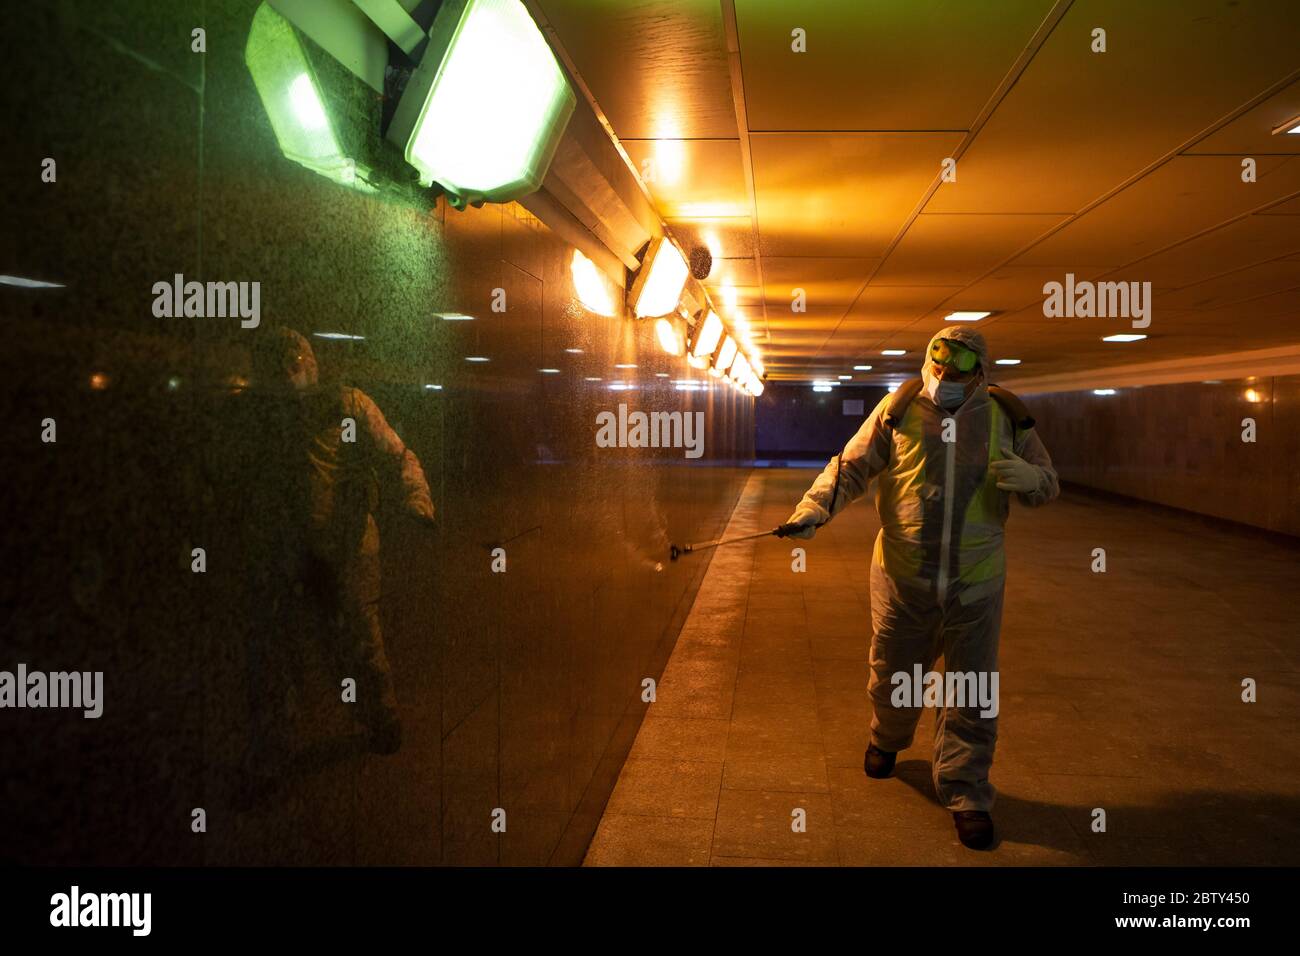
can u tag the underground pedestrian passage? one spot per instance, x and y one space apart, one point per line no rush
653 433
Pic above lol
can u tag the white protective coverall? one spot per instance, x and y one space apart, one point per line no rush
938 568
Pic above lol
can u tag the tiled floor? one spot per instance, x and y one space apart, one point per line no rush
1120 691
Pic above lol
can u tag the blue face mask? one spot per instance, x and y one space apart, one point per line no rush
948 395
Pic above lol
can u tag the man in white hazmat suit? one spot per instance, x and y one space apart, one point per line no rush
335 482
948 451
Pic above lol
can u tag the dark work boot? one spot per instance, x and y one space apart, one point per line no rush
878 763
974 828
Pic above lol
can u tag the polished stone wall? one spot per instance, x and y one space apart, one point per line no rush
1182 445
518 684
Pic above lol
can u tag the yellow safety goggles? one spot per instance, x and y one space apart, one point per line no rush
947 352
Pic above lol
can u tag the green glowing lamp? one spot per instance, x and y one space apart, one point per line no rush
292 100
484 111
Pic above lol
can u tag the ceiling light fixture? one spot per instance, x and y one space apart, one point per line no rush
669 336
726 355
591 286
659 282
893 351
708 336
966 316
287 86
484 111
1123 337
1007 362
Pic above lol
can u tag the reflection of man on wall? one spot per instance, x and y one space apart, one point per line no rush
342 449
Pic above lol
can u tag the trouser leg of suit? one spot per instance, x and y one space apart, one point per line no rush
361 633
906 629
910 630
964 739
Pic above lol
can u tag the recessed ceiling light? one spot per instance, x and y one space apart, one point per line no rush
845 378
434 388
453 317
1123 337
1291 126
1103 391
1007 362
821 388
862 368
574 351
625 365
893 351
966 316
549 371
475 358
339 335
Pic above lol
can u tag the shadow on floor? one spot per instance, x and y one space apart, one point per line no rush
1208 827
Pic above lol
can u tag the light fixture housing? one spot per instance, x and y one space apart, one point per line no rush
707 335
657 288
726 355
740 372
1007 362
484 111
966 316
291 96
894 352
591 286
862 368
670 333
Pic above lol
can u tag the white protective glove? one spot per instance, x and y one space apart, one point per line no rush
808 518
1015 474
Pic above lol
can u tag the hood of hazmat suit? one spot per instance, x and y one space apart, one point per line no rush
941 511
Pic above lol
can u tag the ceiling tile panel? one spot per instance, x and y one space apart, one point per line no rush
1078 123
843 194
897 57
952 250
